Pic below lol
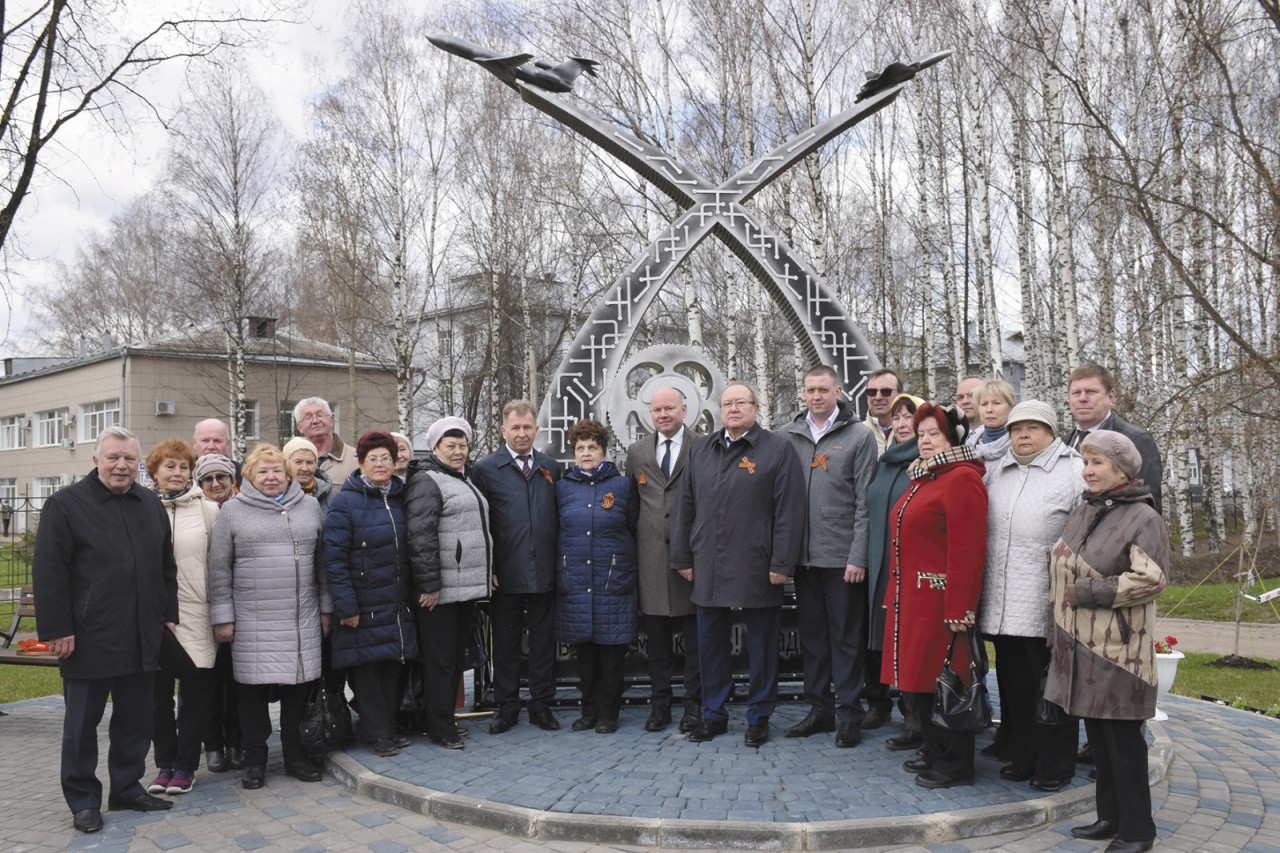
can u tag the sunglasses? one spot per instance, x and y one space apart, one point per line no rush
209 478
880 392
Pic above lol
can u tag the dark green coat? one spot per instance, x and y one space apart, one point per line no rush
888 484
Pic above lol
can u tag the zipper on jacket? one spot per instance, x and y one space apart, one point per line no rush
297 598
395 540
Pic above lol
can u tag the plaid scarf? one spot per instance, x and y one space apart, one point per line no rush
922 467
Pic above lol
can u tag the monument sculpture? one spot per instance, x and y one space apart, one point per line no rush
591 378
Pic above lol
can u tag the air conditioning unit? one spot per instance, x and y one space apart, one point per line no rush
166 407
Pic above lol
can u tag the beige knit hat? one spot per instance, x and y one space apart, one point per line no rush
297 443
1116 447
1033 410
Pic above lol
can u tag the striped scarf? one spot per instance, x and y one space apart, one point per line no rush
922 467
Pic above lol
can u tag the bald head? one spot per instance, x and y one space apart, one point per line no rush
965 398
668 410
211 436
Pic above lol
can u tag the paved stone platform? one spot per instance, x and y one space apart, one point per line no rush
1222 793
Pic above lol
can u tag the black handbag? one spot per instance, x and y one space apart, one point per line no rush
1048 713
956 707
326 721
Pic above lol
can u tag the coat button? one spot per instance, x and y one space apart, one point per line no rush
588 532
588 506
588 562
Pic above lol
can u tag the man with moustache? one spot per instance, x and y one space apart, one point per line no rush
656 463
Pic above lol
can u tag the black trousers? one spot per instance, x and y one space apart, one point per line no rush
255 720
511 614
177 738
950 753
1123 794
377 688
223 728
832 628
443 634
129 733
764 628
335 680
1049 751
660 645
600 677
874 691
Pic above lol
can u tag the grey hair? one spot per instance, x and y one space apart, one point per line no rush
311 401
114 432
399 436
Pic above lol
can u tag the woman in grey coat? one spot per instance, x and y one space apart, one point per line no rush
451 558
269 600
1030 493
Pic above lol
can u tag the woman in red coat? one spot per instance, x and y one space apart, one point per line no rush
938 545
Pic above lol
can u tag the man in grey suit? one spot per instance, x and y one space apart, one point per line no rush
655 463
1091 392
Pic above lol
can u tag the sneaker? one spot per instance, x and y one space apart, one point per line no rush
181 783
161 783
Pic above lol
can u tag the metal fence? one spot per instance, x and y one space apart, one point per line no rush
17 541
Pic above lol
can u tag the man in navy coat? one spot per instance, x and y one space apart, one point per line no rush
736 532
520 485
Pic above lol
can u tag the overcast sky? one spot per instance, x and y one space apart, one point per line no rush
96 173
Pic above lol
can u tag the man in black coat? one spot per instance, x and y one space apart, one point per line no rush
107 592
1091 392
520 485
736 532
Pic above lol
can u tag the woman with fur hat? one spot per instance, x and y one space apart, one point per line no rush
937 546
451 558
1031 490
1108 568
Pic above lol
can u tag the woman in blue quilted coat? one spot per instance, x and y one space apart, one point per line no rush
366 560
596 583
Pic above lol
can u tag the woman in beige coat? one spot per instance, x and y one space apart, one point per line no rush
1108 569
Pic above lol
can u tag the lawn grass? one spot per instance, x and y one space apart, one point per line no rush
1216 602
1258 688
28 682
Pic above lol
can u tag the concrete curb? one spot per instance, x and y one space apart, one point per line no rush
934 828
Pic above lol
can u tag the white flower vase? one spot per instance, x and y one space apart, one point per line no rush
1166 671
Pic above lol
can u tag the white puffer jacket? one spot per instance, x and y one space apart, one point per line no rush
265 578
192 517
1027 510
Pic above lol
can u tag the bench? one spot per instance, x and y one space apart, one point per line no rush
26 609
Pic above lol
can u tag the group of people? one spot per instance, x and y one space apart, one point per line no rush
900 533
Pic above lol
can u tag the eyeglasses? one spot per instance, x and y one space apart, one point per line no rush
380 459
880 392
209 478
736 404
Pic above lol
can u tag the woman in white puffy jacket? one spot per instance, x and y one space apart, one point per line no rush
187 657
1031 491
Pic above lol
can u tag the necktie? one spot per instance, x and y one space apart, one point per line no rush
666 458
525 467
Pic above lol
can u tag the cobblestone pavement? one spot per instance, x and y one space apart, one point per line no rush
1222 791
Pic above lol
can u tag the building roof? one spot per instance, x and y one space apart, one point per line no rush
264 343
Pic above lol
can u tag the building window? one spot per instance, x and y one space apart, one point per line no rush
95 417
13 432
50 428
43 487
250 418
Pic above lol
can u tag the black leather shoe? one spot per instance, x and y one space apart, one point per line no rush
583 723
915 765
689 719
1095 831
875 718
235 757
1050 785
544 720
659 719
905 741
607 727
216 761
758 734
303 771
255 776
449 742
402 741
848 734
87 820
502 724
1016 774
140 802
1119 846
707 729
934 779
811 725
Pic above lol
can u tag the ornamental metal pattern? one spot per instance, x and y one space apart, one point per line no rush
591 366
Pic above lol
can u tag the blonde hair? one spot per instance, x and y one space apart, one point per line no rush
998 387
266 453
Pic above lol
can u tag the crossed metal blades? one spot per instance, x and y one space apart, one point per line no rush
815 317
